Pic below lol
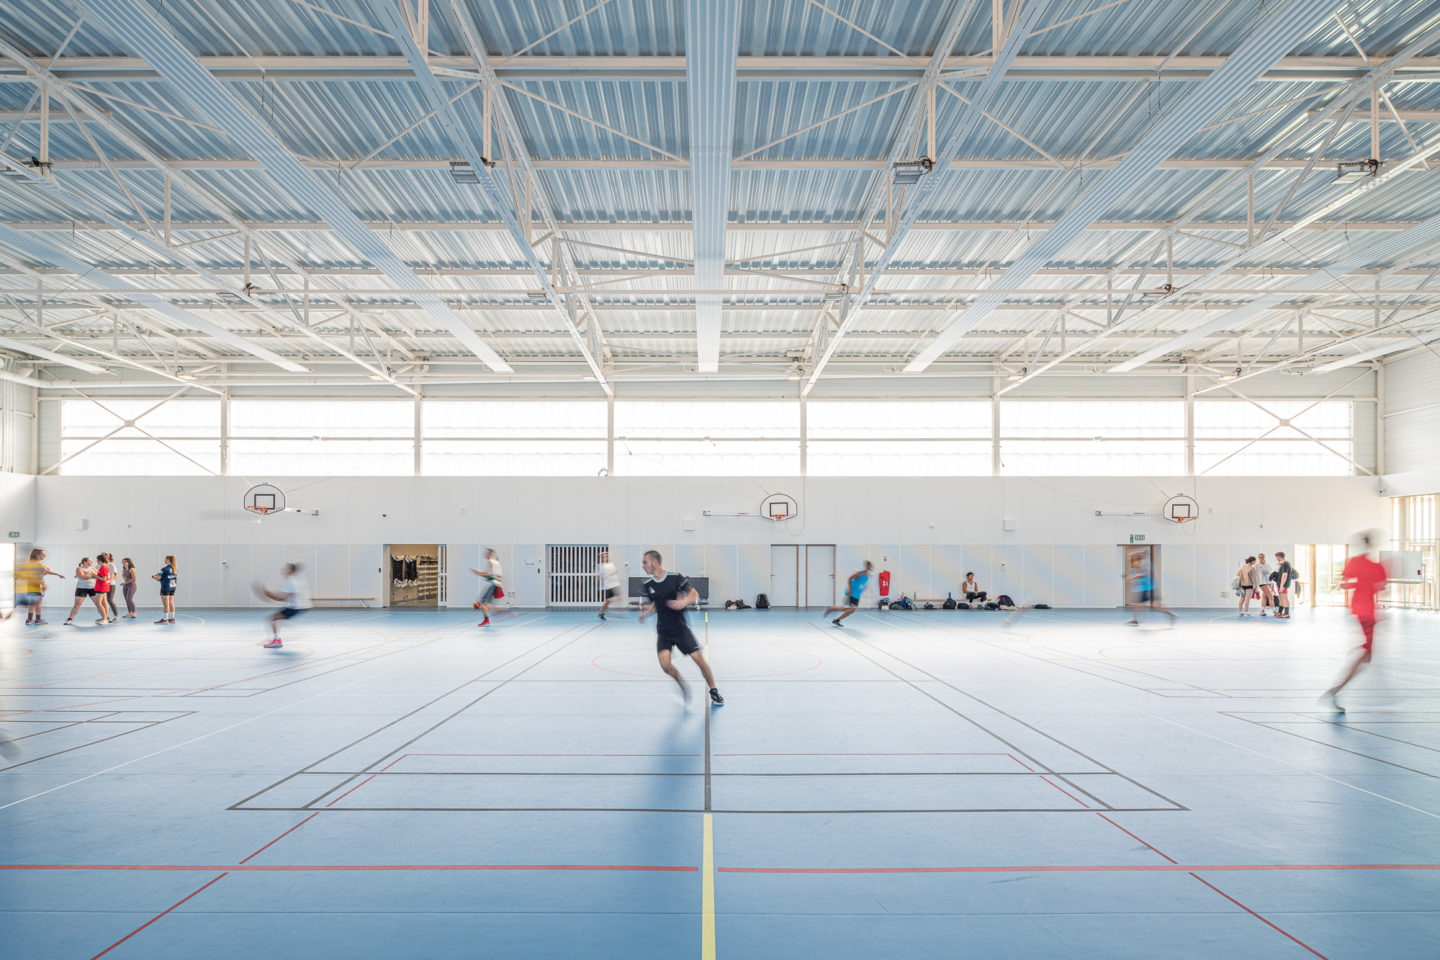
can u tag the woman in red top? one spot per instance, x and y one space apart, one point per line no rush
1366 578
103 578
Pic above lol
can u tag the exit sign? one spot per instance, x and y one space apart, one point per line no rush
1137 538
14 534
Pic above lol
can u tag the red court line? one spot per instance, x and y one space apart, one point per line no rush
1258 917
1123 830
281 837
1099 868
157 917
352 790
339 868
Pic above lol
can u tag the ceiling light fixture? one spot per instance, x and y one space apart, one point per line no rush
1349 171
908 172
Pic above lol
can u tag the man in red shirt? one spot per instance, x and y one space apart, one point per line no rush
1366 578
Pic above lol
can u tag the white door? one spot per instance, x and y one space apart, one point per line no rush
784 575
819 575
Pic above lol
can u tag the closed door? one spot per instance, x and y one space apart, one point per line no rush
819 575
784 575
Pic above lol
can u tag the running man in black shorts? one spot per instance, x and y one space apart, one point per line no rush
667 595
854 590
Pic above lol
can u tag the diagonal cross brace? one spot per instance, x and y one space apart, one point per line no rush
1287 25
449 121
135 25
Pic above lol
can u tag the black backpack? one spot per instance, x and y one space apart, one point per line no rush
991 605
929 606
1042 606
949 603
962 605
762 602
1004 601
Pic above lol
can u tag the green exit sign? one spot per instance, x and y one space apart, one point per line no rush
14 534
1137 538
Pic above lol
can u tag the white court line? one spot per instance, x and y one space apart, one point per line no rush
203 736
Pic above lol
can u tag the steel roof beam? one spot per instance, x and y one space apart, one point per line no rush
136 25
36 249
498 197
1289 23
914 197
712 29
604 163
1379 250
748 68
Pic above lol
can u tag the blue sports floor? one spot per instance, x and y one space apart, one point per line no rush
927 784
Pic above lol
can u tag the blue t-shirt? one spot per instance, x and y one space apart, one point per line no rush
167 577
857 586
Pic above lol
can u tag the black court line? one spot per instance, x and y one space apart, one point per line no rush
1357 753
357 741
146 725
646 773
693 810
1060 660
446 719
1054 739
1354 726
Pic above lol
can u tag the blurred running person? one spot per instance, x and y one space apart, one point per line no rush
1285 586
129 583
490 583
1267 585
855 588
30 586
1366 577
84 589
609 579
169 577
294 594
667 595
1140 592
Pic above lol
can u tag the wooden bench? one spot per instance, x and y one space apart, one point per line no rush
363 601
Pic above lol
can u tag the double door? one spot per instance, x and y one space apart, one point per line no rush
802 575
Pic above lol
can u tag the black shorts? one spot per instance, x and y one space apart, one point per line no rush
683 639
611 593
84 591
1145 596
852 601
167 593
289 613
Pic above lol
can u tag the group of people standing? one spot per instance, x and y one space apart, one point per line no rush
100 580
1273 586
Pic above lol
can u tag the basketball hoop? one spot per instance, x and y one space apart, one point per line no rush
777 516
1185 519
256 508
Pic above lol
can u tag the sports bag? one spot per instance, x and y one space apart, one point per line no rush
949 603
762 602
1004 601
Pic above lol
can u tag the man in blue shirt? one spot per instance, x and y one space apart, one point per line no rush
853 591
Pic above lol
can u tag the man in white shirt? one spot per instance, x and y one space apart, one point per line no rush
609 579
294 594
490 587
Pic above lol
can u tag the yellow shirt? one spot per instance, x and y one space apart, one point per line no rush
30 577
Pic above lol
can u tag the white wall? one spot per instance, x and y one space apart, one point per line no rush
1412 425
928 531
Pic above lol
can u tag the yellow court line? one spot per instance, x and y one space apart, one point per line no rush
707 894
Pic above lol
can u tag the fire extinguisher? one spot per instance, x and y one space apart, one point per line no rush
884 583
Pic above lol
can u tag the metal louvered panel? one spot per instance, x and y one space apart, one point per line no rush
711 38
572 581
